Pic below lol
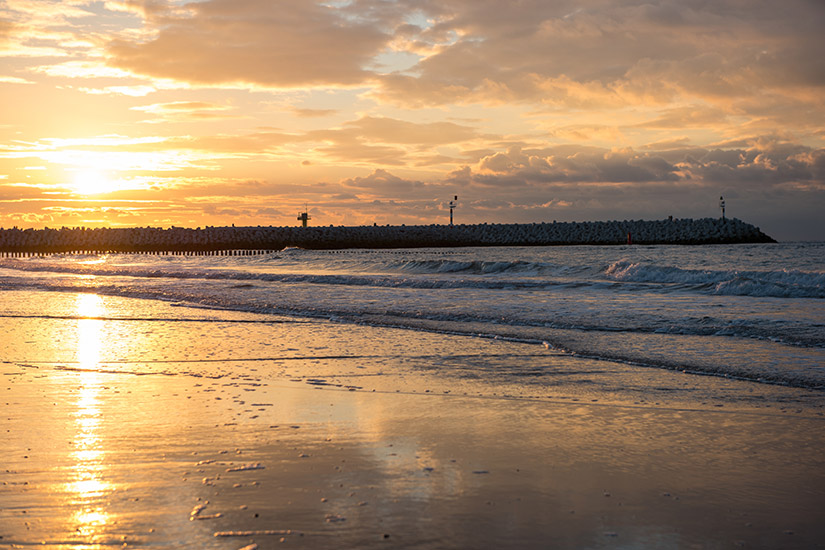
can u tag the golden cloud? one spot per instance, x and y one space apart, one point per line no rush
257 42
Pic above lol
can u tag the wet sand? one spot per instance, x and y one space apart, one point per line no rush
153 426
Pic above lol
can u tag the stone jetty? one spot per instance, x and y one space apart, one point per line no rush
248 240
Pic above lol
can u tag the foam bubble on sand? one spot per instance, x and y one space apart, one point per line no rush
196 513
198 509
246 467
256 533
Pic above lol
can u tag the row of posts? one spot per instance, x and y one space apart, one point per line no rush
238 252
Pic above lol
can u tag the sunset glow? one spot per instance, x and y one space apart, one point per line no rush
127 113
91 182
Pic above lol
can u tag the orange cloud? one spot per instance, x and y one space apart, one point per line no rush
258 42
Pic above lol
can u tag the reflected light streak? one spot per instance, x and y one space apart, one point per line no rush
88 486
88 340
90 521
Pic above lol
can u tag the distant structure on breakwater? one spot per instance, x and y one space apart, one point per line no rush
253 240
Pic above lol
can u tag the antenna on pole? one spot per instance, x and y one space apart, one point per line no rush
453 204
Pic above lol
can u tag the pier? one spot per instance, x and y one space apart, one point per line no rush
242 241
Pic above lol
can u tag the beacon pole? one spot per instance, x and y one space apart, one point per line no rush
722 206
303 217
453 204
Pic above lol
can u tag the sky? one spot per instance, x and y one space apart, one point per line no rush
217 112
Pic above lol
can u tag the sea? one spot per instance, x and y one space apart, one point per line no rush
753 312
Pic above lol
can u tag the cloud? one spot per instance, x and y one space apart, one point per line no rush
313 113
384 183
518 167
81 69
14 80
187 111
351 150
686 116
45 29
389 141
258 42
668 144
178 106
390 130
374 140
621 54
765 163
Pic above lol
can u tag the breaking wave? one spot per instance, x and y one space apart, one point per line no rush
777 284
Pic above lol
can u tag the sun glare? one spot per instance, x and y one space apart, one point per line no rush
91 182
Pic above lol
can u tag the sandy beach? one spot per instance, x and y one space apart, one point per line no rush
138 424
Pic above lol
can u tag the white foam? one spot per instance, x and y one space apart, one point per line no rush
259 532
246 467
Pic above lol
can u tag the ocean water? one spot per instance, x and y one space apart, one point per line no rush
749 312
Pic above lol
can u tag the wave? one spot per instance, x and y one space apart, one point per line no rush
306 302
387 281
776 284
475 267
493 275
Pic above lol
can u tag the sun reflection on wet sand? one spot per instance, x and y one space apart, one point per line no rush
89 306
138 425
88 486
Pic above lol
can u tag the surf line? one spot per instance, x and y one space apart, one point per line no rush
154 319
291 358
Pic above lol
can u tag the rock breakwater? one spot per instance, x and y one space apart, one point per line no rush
222 239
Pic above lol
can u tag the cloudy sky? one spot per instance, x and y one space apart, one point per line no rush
166 112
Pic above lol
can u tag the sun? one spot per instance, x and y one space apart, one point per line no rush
91 182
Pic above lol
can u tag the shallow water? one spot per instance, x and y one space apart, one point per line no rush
108 334
755 312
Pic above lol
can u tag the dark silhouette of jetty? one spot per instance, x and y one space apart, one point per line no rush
250 240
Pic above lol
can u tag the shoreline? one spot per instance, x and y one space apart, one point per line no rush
214 240
167 432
